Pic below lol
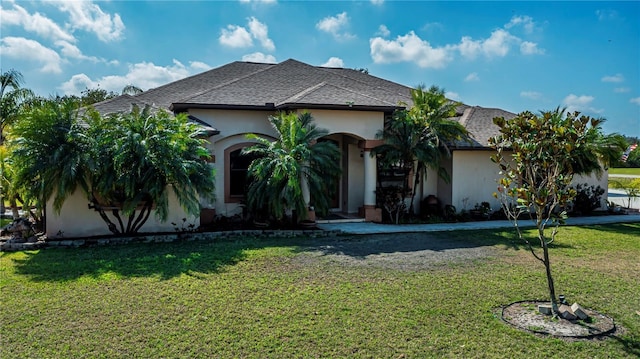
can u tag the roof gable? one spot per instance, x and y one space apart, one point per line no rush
290 82
163 96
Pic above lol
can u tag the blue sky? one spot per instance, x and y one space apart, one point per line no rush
511 55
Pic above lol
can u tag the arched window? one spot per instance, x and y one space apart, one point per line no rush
236 180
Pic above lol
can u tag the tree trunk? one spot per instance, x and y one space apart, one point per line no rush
14 208
547 265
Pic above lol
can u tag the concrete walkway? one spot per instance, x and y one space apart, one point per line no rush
376 228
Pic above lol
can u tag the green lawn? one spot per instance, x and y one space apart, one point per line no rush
625 171
296 298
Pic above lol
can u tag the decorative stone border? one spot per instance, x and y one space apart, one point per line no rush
166 238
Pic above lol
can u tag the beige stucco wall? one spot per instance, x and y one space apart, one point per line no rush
473 179
363 124
77 220
593 180
346 127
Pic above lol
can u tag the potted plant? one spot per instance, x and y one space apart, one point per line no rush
481 211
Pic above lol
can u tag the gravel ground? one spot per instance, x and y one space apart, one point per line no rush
408 251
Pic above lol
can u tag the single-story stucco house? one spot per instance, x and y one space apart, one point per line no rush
236 99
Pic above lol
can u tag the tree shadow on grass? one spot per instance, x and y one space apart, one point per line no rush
361 246
162 260
631 345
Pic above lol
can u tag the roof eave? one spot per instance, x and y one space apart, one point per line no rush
347 107
182 107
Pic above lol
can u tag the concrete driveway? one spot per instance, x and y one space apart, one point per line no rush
620 197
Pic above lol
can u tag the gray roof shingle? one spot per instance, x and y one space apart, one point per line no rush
479 122
293 84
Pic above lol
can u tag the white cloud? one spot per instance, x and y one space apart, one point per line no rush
533 95
412 48
621 89
383 31
145 75
377 2
606 14
432 26
85 15
259 57
72 51
239 37
335 26
580 103
635 100
77 83
614 78
469 48
35 23
198 65
498 44
235 36
31 50
472 77
452 96
261 33
530 48
409 48
334 62
525 21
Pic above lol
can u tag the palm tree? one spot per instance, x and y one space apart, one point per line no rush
405 143
598 150
434 111
137 157
283 167
131 90
50 152
418 138
124 163
12 95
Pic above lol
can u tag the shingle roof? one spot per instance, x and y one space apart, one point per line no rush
293 84
165 95
125 103
122 103
479 122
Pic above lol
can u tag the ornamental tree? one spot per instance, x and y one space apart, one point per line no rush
538 156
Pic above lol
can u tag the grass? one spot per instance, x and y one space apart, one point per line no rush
625 171
283 299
